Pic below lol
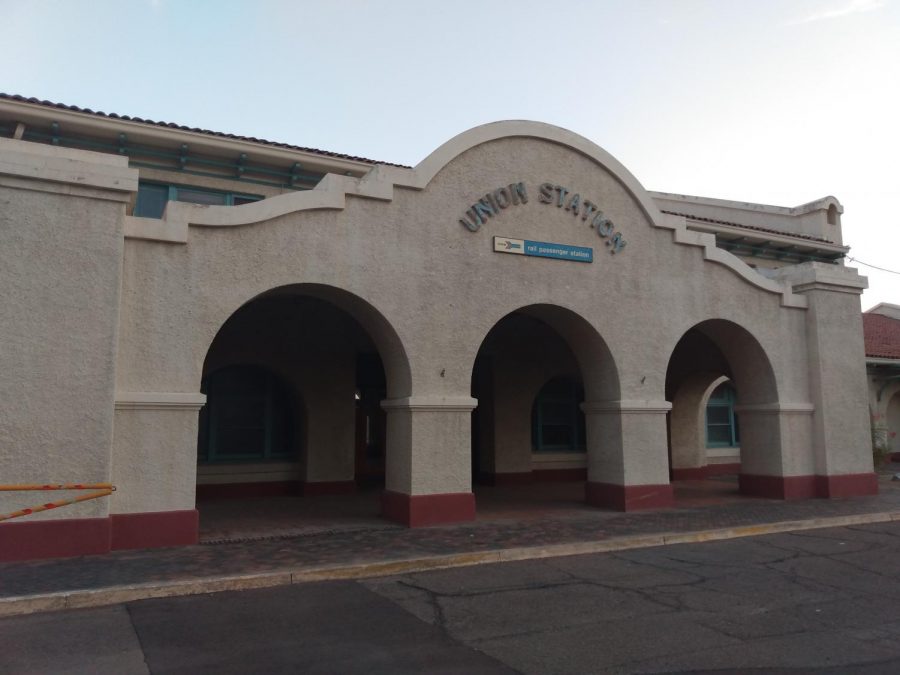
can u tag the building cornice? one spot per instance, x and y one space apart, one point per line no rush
150 133
155 400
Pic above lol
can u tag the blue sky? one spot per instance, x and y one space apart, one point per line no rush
779 102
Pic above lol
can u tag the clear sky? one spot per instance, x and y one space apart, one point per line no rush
771 101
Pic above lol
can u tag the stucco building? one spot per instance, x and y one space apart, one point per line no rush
190 313
881 326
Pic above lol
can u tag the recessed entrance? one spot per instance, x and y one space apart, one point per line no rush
294 384
530 436
715 366
528 425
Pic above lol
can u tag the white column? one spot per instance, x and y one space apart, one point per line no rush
841 428
628 464
428 473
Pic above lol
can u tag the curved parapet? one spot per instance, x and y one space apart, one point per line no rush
381 180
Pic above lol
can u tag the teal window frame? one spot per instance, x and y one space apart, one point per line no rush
565 395
721 400
275 420
145 208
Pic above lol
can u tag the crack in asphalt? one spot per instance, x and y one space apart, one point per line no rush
811 593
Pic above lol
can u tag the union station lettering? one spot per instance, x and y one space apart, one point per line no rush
548 193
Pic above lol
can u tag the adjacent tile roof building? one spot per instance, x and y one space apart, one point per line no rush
882 335
881 328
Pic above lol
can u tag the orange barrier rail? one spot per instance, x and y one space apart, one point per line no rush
57 486
102 490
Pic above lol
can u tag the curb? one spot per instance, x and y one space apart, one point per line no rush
82 599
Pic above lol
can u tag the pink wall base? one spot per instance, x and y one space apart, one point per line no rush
32 540
421 510
807 487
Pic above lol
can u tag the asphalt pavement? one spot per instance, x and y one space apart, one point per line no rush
813 601
384 549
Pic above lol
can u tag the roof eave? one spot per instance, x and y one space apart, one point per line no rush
151 134
759 236
882 361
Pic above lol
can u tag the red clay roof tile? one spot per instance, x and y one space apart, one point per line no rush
704 219
172 125
882 335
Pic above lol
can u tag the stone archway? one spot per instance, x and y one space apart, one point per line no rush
523 352
708 354
330 351
688 447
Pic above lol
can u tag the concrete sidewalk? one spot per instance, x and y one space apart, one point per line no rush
380 548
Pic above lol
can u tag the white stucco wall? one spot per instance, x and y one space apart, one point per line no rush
389 249
61 239
441 288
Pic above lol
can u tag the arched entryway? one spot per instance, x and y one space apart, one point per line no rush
294 381
251 415
893 425
886 421
533 373
724 422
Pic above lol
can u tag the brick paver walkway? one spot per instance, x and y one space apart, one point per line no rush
381 543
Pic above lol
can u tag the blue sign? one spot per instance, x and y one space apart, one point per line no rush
544 249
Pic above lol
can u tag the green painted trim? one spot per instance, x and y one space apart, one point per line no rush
173 194
210 454
775 253
182 158
727 402
573 423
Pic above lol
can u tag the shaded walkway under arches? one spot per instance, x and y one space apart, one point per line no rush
724 395
331 358
272 517
534 371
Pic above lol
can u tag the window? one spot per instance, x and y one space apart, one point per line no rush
721 423
557 422
153 197
247 416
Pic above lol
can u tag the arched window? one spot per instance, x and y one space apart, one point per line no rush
246 417
557 422
721 423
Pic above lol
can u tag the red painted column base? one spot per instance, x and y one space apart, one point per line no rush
777 487
36 539
421 510
154 529
807 487
847 485
629 497
66 538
